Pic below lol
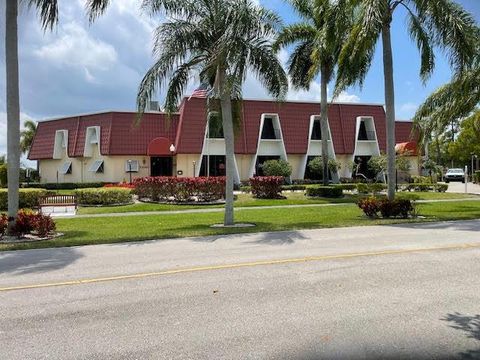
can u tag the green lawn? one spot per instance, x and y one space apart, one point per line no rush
246 200
101 230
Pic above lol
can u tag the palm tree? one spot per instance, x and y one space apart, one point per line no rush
26 135
220 40
318 39
455 100
48 14
441 23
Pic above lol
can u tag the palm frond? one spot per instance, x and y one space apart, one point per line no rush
95 8
47 11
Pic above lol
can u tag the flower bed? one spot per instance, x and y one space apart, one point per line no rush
180 189
29 224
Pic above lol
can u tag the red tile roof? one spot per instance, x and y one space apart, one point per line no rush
120 136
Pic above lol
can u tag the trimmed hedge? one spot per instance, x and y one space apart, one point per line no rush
64 186
476 177
267 187
364 188
438 187
28 198
180 189
103 196
325 191
347 187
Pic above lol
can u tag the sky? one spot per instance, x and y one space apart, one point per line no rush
81 68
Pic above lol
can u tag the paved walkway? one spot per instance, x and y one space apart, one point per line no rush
458 187
212 210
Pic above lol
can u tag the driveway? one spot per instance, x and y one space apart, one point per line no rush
458 187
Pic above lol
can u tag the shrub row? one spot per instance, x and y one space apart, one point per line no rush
438 187
267 187
364 188
28 198
373 207
324 191
103 196
28 222
64 186
421 179
202 189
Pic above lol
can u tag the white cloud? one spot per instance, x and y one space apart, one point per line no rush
347 98
75 47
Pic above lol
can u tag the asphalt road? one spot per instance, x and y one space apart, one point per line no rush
396 292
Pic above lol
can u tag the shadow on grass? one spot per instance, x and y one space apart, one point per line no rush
470 325
45 260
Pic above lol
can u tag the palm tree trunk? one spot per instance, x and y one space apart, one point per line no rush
324 125
389 108
227 122
13 108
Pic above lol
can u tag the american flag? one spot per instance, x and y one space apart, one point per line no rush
200 92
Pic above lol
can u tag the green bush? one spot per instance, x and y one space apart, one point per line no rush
103 196
28 198
347 187
324 191
364 188
64 186
421 179
441 187
476 177
293 187
3 175
277 168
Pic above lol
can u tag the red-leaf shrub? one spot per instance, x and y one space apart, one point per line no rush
370 206
3 224
120 185
43 225
180 189
267 187
24 222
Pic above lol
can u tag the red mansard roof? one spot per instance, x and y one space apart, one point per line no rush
120 136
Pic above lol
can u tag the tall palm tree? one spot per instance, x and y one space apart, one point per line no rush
441 23
220 40
48 14
318 39
26 135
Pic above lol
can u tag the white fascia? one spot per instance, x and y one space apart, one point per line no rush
269 147
314 147
60 148
215 146
92 137
366 147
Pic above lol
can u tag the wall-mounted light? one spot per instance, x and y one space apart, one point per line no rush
172 149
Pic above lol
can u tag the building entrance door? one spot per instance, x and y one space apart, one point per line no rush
161 166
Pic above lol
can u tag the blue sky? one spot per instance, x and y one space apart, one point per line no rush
80 68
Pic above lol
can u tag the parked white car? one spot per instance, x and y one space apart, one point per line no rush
454 175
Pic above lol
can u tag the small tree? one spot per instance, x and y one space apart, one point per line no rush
277 168
316 166
379 164
430 166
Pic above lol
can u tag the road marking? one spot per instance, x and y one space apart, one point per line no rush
236 266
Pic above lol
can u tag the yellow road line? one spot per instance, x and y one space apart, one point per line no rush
238 265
